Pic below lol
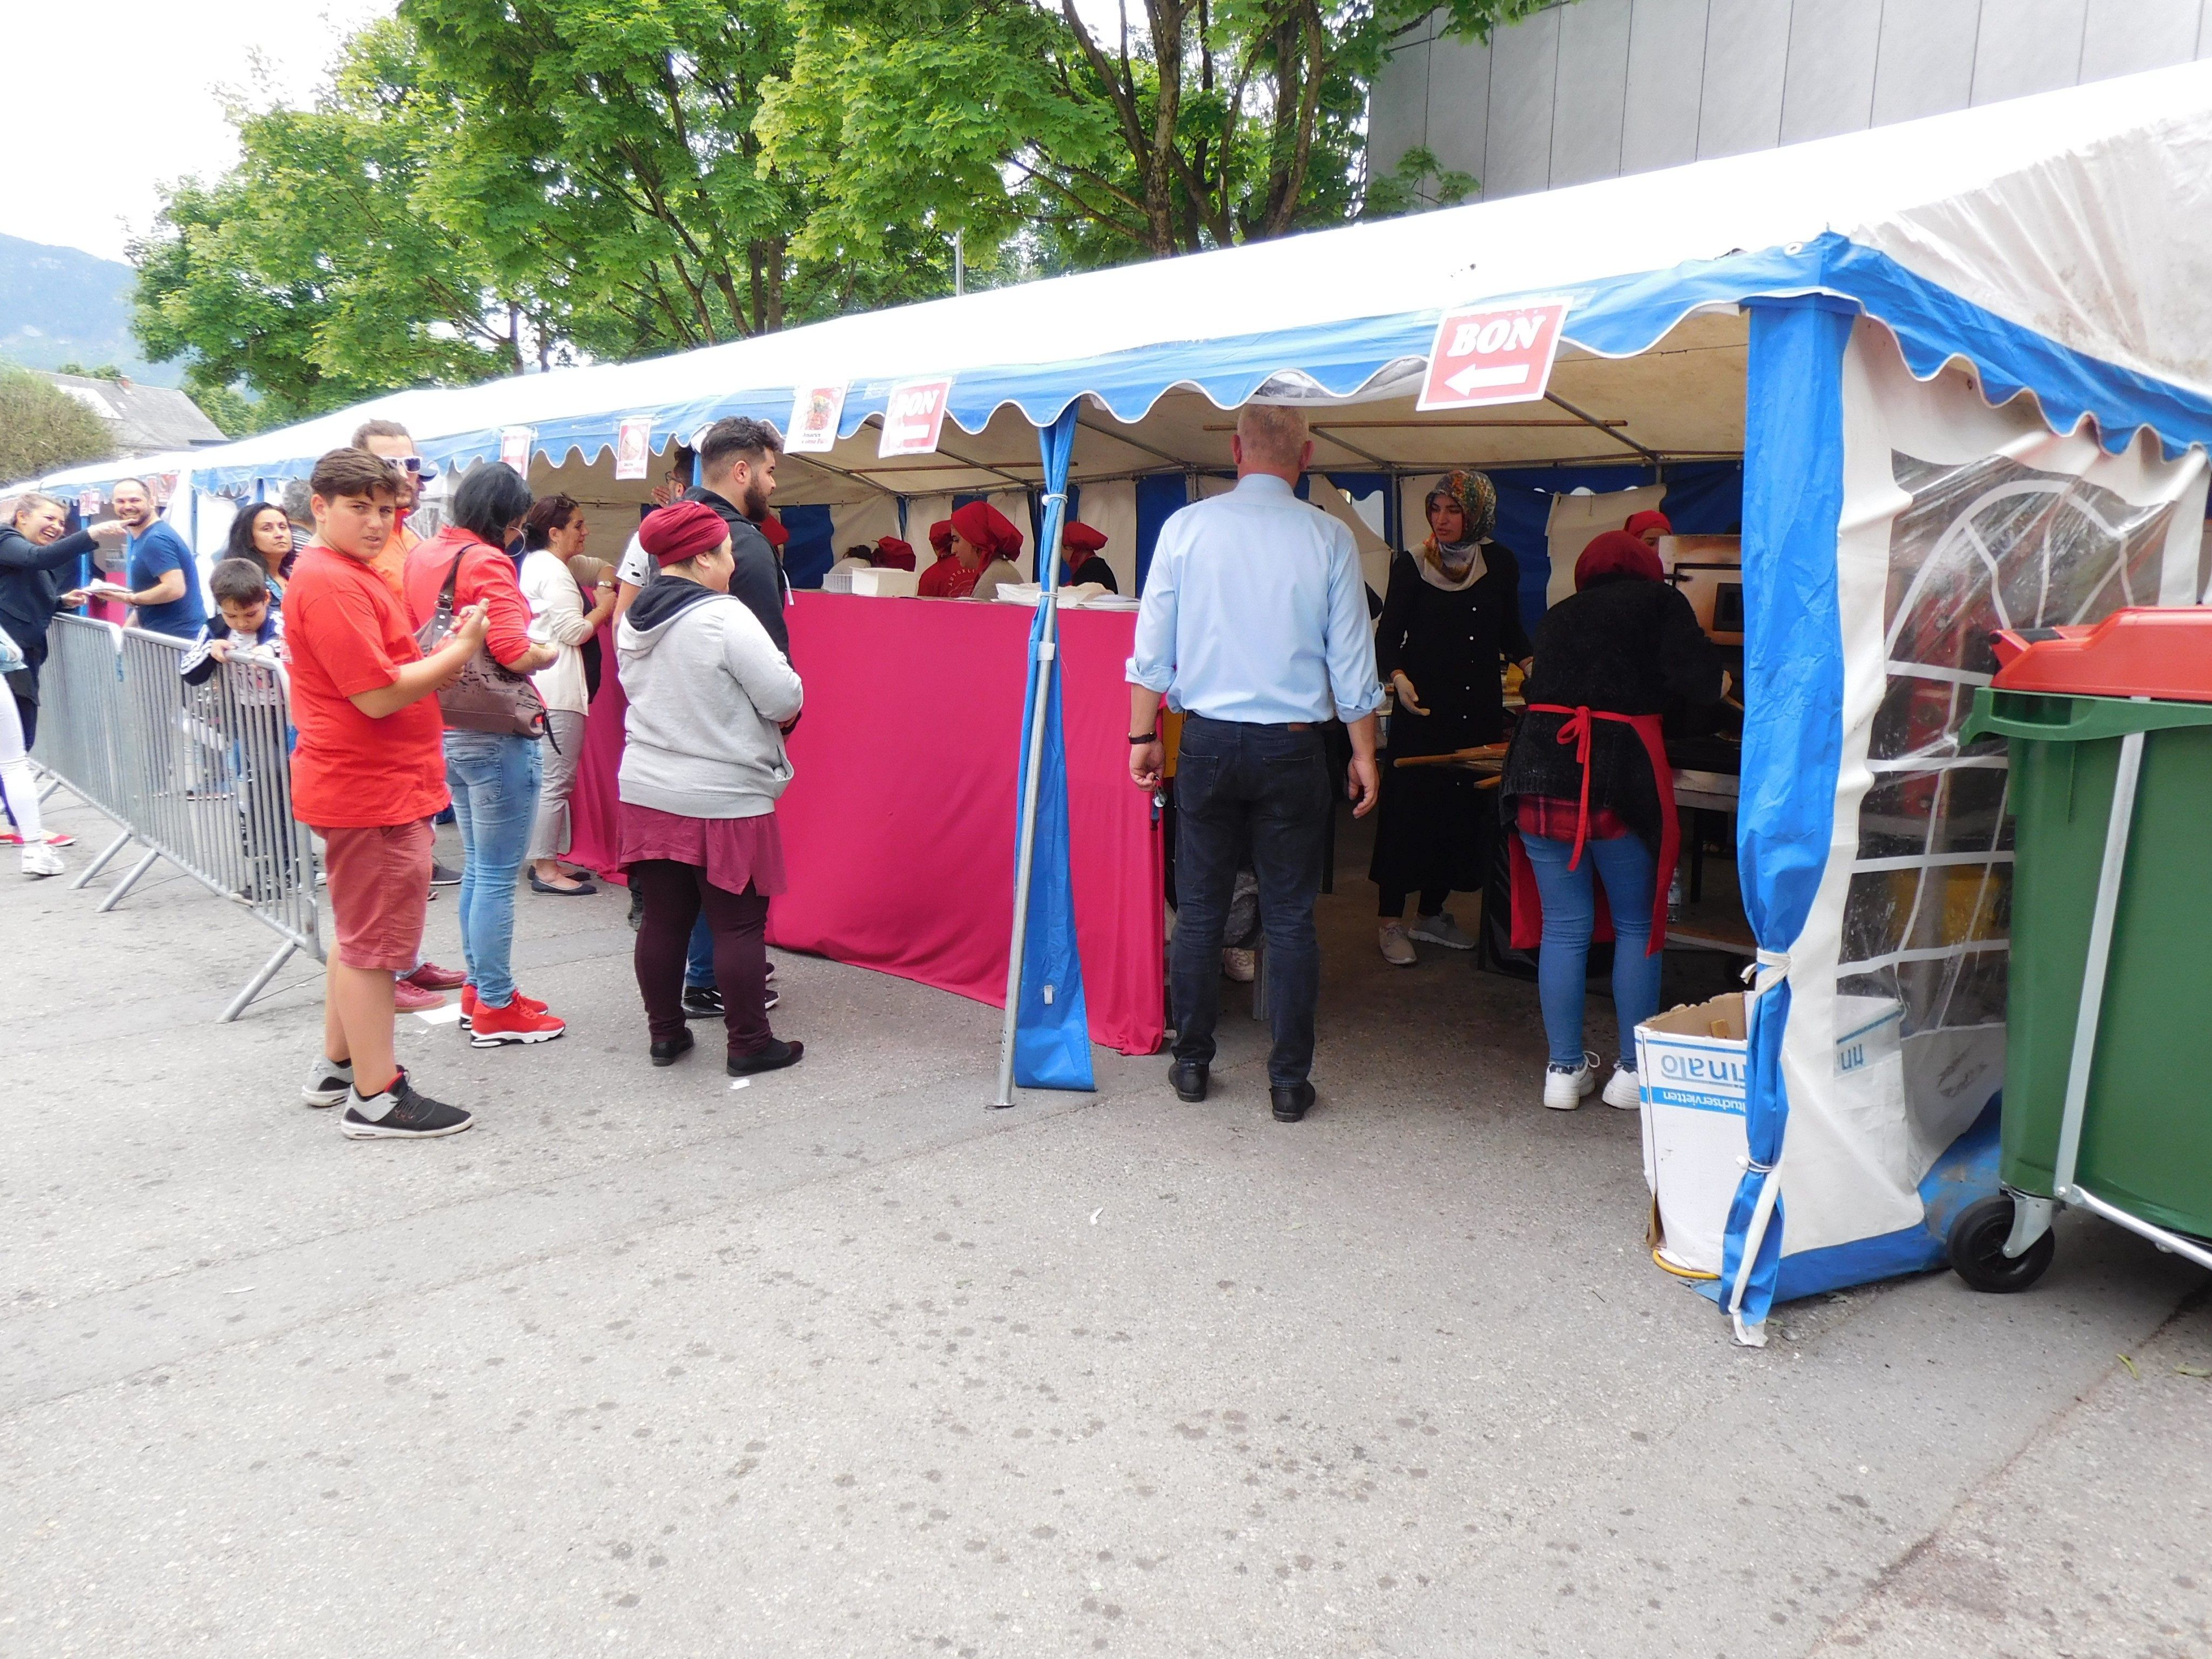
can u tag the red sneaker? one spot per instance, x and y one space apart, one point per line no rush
409 998
431 977
518 1022
469 1005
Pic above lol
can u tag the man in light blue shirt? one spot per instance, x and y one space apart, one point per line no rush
1254 625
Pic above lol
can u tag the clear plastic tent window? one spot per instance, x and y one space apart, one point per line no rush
1989 544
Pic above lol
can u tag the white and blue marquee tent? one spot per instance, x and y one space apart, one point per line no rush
1964 363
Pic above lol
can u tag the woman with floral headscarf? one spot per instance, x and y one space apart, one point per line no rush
1451 622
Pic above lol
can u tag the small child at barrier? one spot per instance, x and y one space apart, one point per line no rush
367 775
246 634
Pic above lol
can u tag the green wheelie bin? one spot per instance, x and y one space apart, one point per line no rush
2106 1105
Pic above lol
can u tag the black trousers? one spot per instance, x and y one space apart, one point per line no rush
1265 789
675 896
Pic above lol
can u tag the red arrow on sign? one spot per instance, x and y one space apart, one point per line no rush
1499 354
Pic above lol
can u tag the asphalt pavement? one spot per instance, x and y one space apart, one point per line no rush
840 1363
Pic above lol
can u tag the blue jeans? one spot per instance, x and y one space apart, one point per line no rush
1626 866
493 779
699 958
1261 791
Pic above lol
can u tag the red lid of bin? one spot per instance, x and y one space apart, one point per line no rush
2143 653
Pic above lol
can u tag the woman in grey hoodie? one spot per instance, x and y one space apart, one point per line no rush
703 763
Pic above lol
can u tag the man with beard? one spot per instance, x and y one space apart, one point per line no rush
409 471
736 471
163 576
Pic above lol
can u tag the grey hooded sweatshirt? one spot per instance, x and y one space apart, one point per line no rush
707 692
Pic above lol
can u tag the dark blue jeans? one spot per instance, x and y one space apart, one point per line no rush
1265 790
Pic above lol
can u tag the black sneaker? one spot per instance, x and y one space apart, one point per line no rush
409 1116
701 1002
774 1057
442 877
668 1052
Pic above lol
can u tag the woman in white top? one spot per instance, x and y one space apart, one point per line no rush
553 534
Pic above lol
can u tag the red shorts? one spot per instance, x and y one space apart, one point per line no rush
380 892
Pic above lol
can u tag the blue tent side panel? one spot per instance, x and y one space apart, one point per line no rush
812 550
1159 496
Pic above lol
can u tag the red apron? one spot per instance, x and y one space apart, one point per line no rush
1528 902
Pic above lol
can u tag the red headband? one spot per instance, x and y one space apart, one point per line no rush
988 530
940 537
1081 538
892 553
673 534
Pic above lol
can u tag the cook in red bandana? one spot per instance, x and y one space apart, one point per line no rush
984 544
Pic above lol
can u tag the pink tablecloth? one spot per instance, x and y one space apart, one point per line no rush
898 827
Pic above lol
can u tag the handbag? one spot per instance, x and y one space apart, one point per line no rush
488 696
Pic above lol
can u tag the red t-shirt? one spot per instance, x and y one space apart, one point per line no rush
345 634
487 573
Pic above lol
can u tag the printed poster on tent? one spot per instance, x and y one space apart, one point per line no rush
632 447
514 447
914 416
814 412
1493 355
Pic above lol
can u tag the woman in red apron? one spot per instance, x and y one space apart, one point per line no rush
1588 789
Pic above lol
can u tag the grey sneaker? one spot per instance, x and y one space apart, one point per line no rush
328 1082
1441 929
1397 949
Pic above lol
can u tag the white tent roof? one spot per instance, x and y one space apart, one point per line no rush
2082 217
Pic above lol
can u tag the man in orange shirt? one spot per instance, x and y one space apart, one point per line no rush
392 441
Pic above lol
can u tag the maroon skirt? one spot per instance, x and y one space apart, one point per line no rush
735 852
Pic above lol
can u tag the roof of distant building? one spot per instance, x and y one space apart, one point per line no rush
144 420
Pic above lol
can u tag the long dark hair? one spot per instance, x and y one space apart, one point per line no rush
490 499
551 513
242 545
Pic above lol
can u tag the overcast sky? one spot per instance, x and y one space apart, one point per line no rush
106 99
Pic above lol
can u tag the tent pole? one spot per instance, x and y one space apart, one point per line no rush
1058 442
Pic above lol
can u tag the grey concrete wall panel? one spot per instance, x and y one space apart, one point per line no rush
1459 106
1828 87
2124 36
1524 63
2027 47
1747 50
1925 64
1666 81
1593 91
1398 108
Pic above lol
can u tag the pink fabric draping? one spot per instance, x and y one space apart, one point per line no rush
898 827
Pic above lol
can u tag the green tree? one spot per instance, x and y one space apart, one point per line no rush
1201 124
311 272
43 428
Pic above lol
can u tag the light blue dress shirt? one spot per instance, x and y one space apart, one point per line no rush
1254 610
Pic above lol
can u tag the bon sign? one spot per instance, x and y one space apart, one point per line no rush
913 416
1499 355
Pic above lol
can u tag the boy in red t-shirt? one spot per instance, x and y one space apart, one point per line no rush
368 776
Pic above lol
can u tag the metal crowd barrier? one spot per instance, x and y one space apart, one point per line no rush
197 775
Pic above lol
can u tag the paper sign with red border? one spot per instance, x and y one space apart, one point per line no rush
88 503
1493 355
634 446
815 413
913 414
514 447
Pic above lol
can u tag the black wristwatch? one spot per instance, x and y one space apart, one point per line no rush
1149 737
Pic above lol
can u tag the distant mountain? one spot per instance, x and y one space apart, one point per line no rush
60 305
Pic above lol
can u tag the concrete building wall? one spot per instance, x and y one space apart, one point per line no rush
1597 88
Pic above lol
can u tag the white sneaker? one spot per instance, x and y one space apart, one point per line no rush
1240 966
40 860
1441 929
1622 1090
1564 1090
1397 949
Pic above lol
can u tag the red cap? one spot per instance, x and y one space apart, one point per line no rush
684 531
940 537
1617 553
1081 538
892 553
1649 518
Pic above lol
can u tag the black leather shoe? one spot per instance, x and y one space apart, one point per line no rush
668 1052
774 1057
1291 1103
1189 1076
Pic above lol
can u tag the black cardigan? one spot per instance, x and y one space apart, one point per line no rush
33 579
1627 646
1453 646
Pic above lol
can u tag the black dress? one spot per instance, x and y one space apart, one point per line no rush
1434 832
